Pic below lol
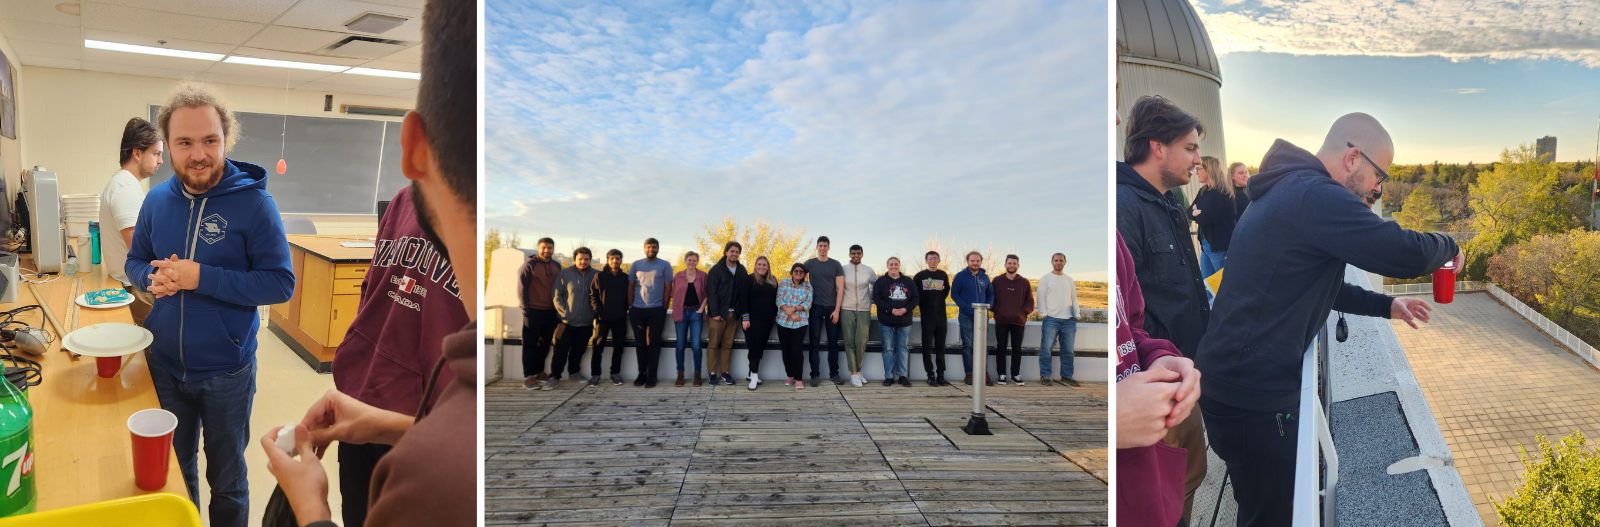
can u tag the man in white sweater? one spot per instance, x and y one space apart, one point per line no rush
855 308
140 155
1058 304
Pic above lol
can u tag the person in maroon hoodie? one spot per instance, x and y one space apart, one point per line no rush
535 288
430 476
1156 389
407 307
1013 300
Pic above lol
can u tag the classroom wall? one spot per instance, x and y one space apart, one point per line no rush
11 149
74 119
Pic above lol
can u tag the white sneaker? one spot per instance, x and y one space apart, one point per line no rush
754 380
855 380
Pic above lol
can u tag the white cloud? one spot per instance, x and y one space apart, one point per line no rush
1454 29
1467 91
973 119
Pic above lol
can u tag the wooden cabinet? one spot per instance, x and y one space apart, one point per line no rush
327 291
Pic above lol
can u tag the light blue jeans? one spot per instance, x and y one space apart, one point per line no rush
1210 261
1061 330
689 333
895 341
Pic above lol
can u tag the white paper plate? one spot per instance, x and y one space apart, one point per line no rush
110 339
83 300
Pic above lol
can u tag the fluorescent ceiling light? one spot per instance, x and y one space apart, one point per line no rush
147 50
284 64
385 73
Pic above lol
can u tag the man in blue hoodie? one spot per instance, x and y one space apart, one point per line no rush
1309 216
971 286
209 246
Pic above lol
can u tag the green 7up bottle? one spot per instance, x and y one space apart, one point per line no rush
16 445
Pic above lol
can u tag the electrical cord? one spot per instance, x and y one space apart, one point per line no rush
23 372
24 276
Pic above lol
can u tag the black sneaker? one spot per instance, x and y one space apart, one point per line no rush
933 381
1069 381
816 381
943 381
888 381
905 381
616 379
837 380
969 379
1002 380
594 381
640 380
988 381
727 379
1045 381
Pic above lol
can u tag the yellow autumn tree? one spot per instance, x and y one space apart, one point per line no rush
781 246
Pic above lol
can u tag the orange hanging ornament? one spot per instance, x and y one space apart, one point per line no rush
281 166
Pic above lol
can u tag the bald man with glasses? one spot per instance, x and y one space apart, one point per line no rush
1310 215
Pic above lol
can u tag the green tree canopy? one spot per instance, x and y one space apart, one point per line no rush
1559 489
1516 201
1560 272
781 246
1419 213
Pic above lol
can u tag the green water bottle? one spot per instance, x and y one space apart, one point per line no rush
16 452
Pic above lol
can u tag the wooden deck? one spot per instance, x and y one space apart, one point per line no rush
842 456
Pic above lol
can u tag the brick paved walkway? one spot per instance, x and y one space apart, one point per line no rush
1494 381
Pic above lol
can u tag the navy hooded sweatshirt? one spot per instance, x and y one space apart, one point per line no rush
234 232
1286 269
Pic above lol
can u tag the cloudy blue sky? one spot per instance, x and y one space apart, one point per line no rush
1452 80
878 123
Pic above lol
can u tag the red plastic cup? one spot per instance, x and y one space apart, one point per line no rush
1444 283
108 366
152 446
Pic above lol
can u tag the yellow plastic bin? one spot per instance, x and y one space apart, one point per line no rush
163 509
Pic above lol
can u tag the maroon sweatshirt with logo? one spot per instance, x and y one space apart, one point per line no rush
409 303
1013 299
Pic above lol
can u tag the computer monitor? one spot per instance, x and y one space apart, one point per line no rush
382 206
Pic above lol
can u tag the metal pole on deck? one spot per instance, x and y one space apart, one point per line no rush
978 424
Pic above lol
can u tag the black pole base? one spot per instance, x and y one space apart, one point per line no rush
977 425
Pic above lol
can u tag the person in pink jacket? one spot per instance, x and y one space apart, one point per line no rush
689 310
1156 389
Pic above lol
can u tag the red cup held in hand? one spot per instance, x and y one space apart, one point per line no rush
107 366
152 446
1444 283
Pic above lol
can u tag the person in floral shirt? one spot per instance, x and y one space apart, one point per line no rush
794 300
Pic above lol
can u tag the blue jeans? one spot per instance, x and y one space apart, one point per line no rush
1210 261
895 341
689 333
822 322
965 320
1061 330
222 404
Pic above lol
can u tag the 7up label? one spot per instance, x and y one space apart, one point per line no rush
17 469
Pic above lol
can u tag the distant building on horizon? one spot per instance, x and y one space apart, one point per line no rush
1547 145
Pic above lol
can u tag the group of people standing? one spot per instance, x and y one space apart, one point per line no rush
1285 236
822 301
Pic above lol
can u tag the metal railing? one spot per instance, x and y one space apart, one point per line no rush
1315 443
1561 335
1427 287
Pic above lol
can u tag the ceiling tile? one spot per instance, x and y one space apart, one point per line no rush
155 42
166 25
46 49
331 15
36 11
297 57
395 66
50 62
391 84
261 11
411 55
342 88
283 38
275 77
406 94
39 31
222 78
129 69
414 4
138 60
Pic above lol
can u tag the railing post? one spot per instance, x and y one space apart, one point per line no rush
978 424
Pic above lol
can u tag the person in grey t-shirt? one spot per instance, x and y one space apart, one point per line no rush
827 279
649 280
